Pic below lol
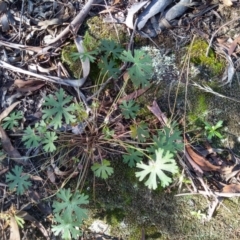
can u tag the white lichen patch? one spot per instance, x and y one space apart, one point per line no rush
99 226
164 65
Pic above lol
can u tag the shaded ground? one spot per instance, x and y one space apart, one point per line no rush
163 215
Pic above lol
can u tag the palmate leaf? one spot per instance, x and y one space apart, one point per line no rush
111 48
141 70
12 120
41 127
168 139
16 180
133 157
140 132
48 141
91 56
66 227
155 169
57 109
129 109
30 138
102 170
70 206
109 67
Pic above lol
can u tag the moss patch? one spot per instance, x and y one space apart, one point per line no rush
213 64
198 106
75 67
98 30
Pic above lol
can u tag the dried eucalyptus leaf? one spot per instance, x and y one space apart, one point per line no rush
131 11
4 22
176 11
151 10
229 71
86 63
55 21
3 6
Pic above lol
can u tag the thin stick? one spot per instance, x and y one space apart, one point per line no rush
74 25
67 82
20 24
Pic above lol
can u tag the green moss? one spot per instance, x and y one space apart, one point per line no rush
199 106
114 216
212 63
149 232
98 30
145 114
75 67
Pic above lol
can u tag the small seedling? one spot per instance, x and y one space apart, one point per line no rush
111 48
48 141
109 67
213 131
30 138
198 214
20 221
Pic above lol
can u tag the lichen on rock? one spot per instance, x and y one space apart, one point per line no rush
164 65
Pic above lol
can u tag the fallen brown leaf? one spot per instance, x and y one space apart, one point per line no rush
232 188
29 85
197 169
51 175
233 45
133 95
158 113
200 160
58 172
9 149
35 178
6 112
